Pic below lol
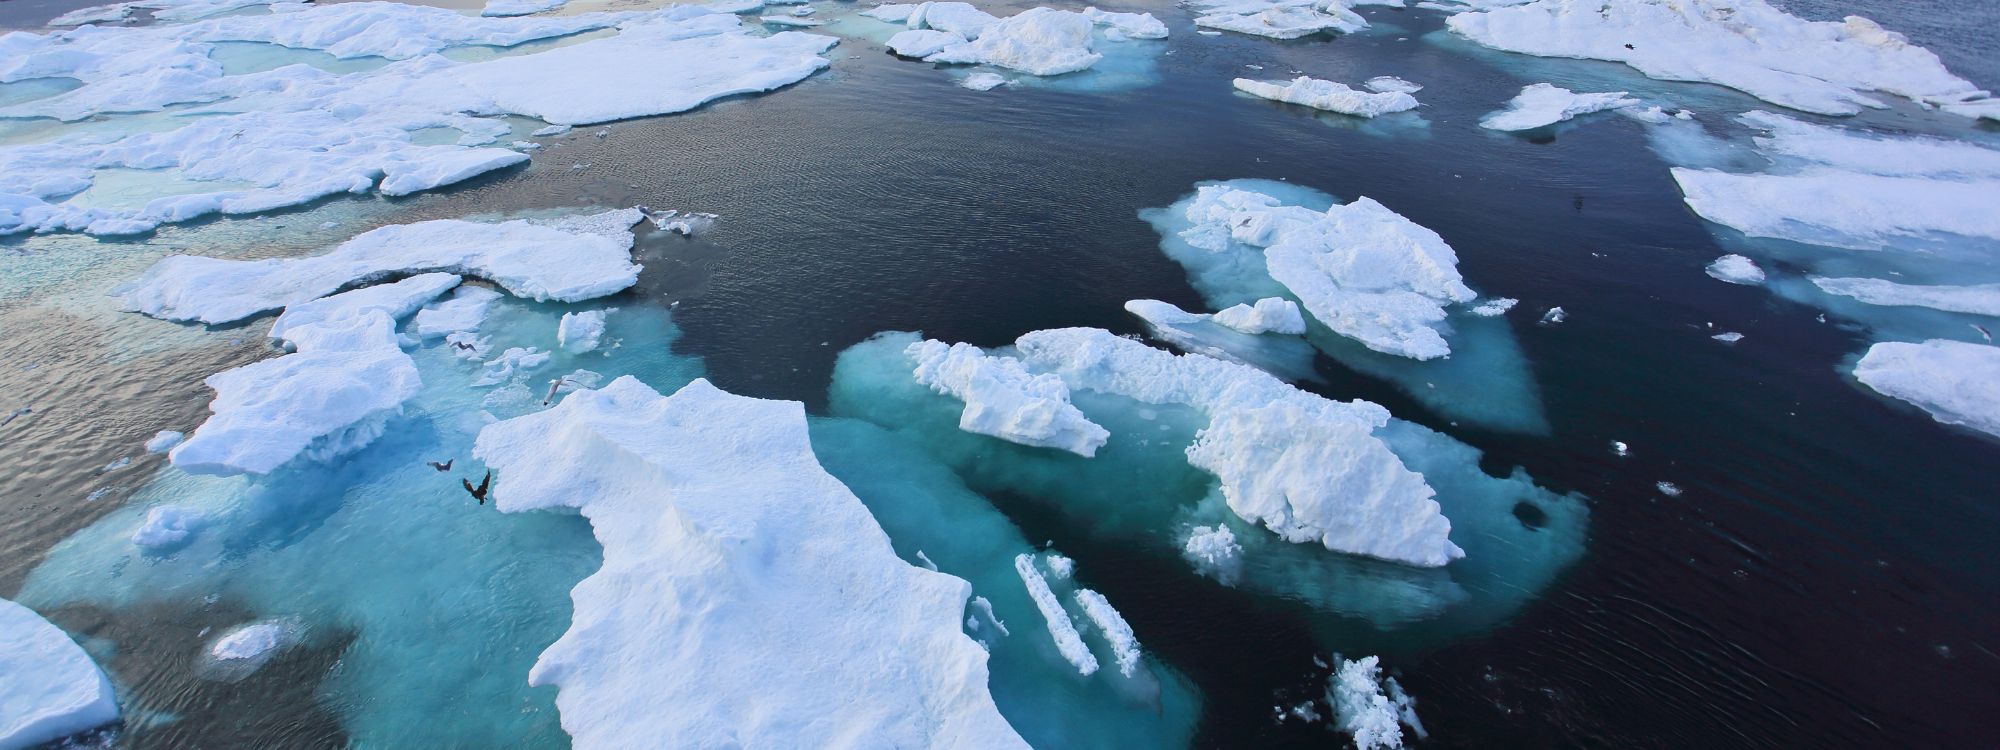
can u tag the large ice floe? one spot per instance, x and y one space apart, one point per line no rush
1279 19
1037 41
1817 66
1957 382
51 689
256 141
1383 293
1331 96
1541 105
734 563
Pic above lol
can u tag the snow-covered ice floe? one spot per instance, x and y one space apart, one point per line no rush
1823 67
265 140
397 301
52 689
1037 41
1278 19
735 563
1004 400
1331 96
1541 105
1735 269
1974 299
566 260
1957 382
462 312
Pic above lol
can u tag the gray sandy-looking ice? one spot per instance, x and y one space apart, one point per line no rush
1735 269
51 689
1037 41
1541 105
1278 19
1331 96
734 563
1004 400
1957 382
1816 66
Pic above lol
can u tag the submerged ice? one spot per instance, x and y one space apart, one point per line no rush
1541 105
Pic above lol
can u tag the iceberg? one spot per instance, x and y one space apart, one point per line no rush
1541 105
398 301
1004 400
1328 95
1976 299
1957 382
1821 67
748 563
1735 269
539 260
1278 19
53 690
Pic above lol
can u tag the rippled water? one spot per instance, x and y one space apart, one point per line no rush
1825 580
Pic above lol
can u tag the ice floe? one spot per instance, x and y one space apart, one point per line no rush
1372 708
1036 41
1004 400
1331 96
1977 299
1267 315
983 81
1823 67
1282 355
1278 19
52 690
581 332
749 565
243 649
1494 308
1389 84
460 313
1957 382
398 301
1735 269
562 260
1117 632
1541 105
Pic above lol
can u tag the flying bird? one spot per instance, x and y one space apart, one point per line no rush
442 467
1983 333
478 493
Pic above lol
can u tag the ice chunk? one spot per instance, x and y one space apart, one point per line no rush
164 441
1736 269
1541 105
1555 315
789 21
1817 66
580 332
1387 84
1361 709
1668 488
1729 337
519 7
983 81
1957 382
244 649
1328 95
551 130
540 261
1128 25
1068 641
1118 633
398 301
1495 307
922 43
1059 566
53 689
1037 41
331 397
1267 315
515 361
461 313
731 559
167 526
1278 19
1214 548
1976 299
1003 400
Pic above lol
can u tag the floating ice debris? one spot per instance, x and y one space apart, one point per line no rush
1957 382
331 397
1267 315
582 258
926 560
1541 105
513 361
803 11
1059 566
167 526
983 81
525 145
519 7
1389 84
1061 628
1278 19
1119 26
922 43
1004 400
1361 708
1729 337
52 689
1817 66
1118 633
1495 307
1668 488
580 332
1553 316
1214 549
1363 270
731 560
244 649
398 301
1326 95
1618 448
1974 299
687 223
551 130
985 607
1037 41
164 441
1736 269
1844 188
115 465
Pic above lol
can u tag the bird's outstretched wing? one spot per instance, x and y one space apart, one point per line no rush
468 486
483 483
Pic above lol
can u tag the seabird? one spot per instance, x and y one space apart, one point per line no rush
463 345
478 493
446 466
1988 335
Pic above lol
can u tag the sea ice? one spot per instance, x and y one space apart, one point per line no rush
1392 84
1736 269
1068 641
460 313
1282 355
1362 709
922 43
1059 566
733 561
1976 299
1278 19
1117 632
519 7
983 81
1554 316
1037 41
514 361
1541 105
1267 315
1331 96
1729 337
1817 66
1214 548
52 689
1004 400
164 441
1496 307
1957 382
167 526
242 650
581 332
398 301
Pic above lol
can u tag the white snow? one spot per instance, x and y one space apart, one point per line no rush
580 332
1331 96
1974 299
166 526
1278 19
164 441
331 397
736 565
983 81
1118 633
398 301
1268 315
1387 84
462 312
1003 400
1957 382
1061 628
1736 269
519 7
539 260
1818 66
1495 307
1541 105
52 689
1363 270
1361 708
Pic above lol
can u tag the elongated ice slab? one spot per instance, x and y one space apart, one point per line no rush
1331 96
1062 629
1975 299
1278 19
52 689
1004 400
1541 105
1117 632
1957 382
734 563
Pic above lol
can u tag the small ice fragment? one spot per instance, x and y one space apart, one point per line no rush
1728 338
986 607
1669 489
1062 567
926 560
1117 632
164 441
1541 105
1362 709
1619 448
983 81
580 332
1061 628
551 130
165 526
1495 307
1736 269
1553 316
1392 84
